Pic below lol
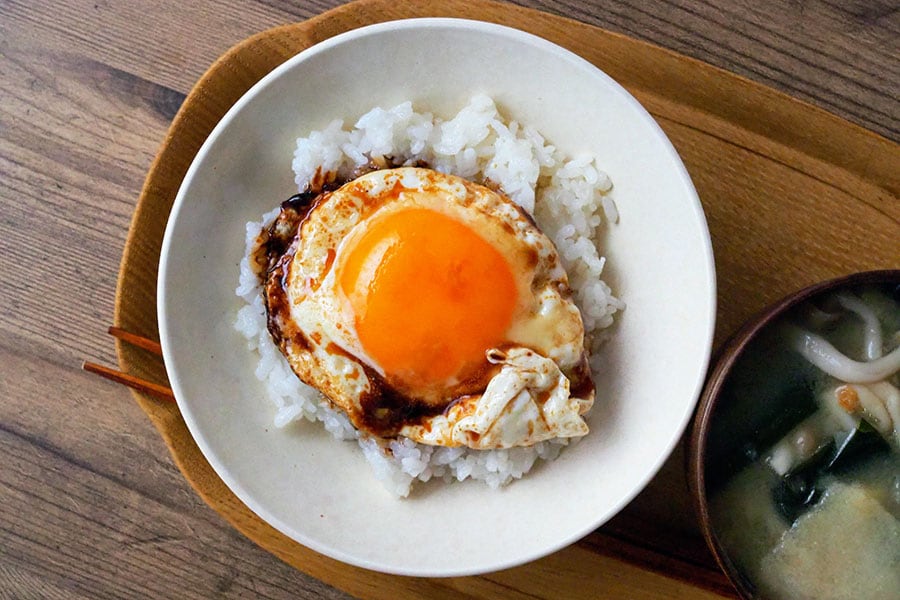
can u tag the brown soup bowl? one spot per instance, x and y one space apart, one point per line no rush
754 398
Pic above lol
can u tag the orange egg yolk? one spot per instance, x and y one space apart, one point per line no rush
430 296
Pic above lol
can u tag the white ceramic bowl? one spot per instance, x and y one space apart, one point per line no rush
321 492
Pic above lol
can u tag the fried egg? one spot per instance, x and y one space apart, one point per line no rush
426 306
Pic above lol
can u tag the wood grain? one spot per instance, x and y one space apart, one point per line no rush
91 504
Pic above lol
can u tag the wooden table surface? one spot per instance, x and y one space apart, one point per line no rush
91 505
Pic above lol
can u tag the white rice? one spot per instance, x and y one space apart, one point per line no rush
570 199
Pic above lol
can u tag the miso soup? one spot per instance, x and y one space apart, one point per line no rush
805 483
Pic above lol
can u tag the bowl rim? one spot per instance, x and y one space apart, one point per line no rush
723 362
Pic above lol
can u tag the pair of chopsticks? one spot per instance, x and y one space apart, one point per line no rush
153 389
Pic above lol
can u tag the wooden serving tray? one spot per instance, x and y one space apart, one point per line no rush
792 194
